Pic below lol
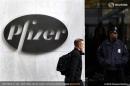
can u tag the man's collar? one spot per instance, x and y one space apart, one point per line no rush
81 53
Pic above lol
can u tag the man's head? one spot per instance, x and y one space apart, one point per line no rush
113 33
79 44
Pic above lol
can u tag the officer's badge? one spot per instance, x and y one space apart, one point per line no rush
119 50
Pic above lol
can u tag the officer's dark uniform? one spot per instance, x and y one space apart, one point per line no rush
113 56
75 69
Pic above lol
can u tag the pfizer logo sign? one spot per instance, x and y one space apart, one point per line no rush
35 33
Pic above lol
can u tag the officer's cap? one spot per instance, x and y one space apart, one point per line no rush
113 29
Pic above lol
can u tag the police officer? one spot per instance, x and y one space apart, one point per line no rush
113 56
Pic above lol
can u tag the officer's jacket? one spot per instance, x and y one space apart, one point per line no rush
112 54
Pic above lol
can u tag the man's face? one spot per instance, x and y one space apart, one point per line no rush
82 46
113 35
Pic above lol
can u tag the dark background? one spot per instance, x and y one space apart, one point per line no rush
97 20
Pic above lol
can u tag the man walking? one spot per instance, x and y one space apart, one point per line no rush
73 74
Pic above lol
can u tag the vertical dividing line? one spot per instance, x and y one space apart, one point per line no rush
25 28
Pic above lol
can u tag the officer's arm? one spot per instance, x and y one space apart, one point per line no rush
100 55
125 55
